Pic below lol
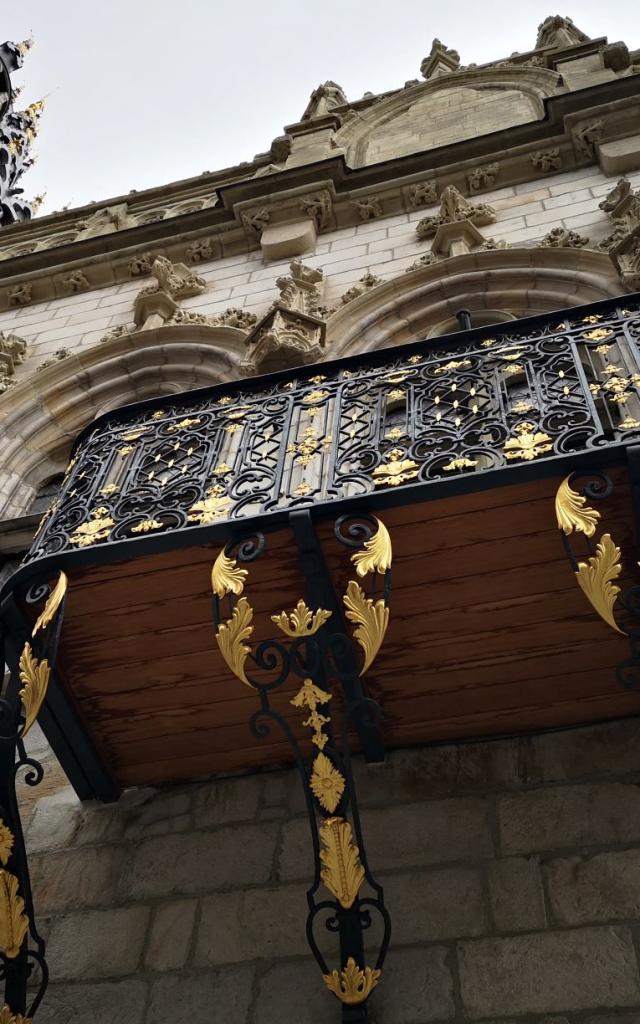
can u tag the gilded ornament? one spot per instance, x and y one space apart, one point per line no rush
521 406
396 394
454 364
512 369
183 425
488 343
342 871
54 601
351 985
595 579
147 525
98 528
222 469
227 577
394 434
231 636
109 489
603 350
209 509
133 435
461 462
318 379
311 696
7 1016
371 621
593 318
159 414
598 335
573 513
415 359
225 400
376 553
301 621
125 450
327 784
302 490
35 676
14 923
528 444
629 423
315 396
396 378
396 471
6 843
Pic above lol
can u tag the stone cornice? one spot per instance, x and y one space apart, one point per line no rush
214 203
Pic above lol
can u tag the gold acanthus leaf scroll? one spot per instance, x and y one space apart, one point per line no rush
35 676
573 513
14 923
351 985
376 554
231 638
6 843
595 579
227 577
7 1016
327 784
301 621
54 601
341 871
372 620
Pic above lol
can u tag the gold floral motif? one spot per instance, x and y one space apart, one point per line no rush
396 471
147 525
460 462
311 696
159 414
183 425
96 529
395 434
371 621
318 379
376 553
593 318
512 357
109 489
629 423
396 394
327 784
35 676
610 369
512 369
528 444
488 342
231 636
233 428
227 577
521 406
54 601
351 985
238 414
315 396
396 378
7 1016
14 923
209 509
301 621
222 469
310 446
453 364
225 400
573 513
302 490
603 350
125 450
598 335
341 871
133 435
6 843
415 359
595 579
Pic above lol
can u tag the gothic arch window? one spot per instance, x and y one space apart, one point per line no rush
45 494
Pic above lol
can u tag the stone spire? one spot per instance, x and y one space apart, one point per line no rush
18 129
559 32
441 61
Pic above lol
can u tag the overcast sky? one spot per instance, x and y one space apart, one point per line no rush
143 92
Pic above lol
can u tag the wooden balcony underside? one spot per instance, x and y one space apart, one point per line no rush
489 635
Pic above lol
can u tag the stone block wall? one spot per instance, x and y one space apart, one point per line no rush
511 870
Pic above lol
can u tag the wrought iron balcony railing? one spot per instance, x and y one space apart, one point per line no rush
471 403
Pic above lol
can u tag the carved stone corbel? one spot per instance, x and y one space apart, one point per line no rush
622 205
585 137
156 304
454 207
288 226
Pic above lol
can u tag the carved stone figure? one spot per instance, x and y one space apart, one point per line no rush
365 284
441 61
585 138
622 205
236 318
483 177
200 250
319 207
12 351
368 208
20 294
116 332
75 282
57 356
454 207
140 265
323 100
255 221
175 279
105 221
558 32
426 260
6 382
563 238
547 159
423 194
300 291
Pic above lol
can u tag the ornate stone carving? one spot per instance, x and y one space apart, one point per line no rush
140 265
368 208
200 250
547 159
454 207
365 284
586 136
236 318
75 282
426 260
318 206
441 61
19 294
300 291
175 279
483 177
281 148
622 205
425 193
57 357
105 221
12 352
323 100
490 244
116 332
6 382
255 220
563 238
558 32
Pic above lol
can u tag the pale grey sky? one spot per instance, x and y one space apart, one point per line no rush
143 92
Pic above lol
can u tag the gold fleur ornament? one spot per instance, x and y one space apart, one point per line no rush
371 621
596 576
528 444
34 674
376 554
226 576
327 784
231 636
301 621
6 843
351 985
573 513
7 1016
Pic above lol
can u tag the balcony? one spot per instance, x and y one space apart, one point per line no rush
459 444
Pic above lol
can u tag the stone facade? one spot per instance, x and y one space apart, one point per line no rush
511 869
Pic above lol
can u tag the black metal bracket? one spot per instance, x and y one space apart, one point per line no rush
321 594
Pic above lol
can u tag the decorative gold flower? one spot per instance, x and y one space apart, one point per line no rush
460 463
94 530
327 784
301 621
315 396
396 471
146 525
352 985
598 335
529 443
209 509
459 364
6 842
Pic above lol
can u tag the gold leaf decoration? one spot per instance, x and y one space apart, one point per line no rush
226 576
573 513
6 842
53 603
35 676
311 696
231 636
96 529
351 985
595 578
14 923
341 871
327 784
301 621
372 621
7 1016
376 555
